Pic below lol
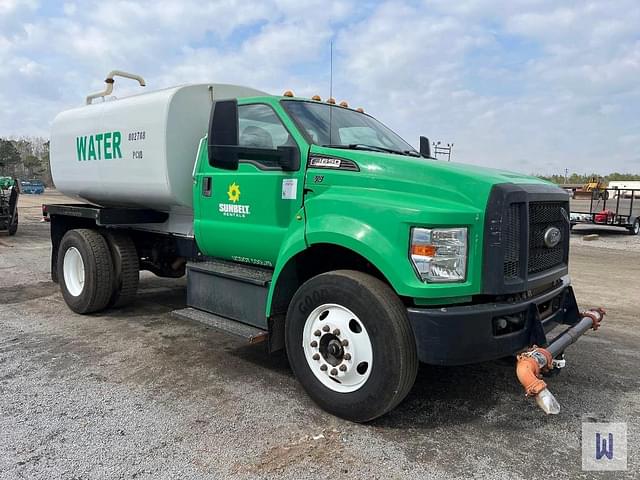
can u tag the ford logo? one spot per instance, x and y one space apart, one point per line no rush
552 237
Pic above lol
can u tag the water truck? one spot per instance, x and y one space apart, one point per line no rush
309 226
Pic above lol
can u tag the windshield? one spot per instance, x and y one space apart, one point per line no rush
349 128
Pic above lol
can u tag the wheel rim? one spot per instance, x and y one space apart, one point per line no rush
73 268
636 228
337 348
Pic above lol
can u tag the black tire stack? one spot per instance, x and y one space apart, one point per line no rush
111 269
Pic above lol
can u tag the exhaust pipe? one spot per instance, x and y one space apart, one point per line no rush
109 81
532 363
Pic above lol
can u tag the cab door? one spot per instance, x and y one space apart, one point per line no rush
244 214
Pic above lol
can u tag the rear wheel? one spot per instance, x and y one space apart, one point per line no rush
350 344
126 268
13 228
635 229
85 270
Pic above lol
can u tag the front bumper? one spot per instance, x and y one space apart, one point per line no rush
466 334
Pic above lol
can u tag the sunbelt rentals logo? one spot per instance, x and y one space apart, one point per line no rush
234 209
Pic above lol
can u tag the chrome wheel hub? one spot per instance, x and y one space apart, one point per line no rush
337 348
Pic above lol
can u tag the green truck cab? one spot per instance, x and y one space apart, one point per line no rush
318 230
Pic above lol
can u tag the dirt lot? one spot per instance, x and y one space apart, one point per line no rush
136 393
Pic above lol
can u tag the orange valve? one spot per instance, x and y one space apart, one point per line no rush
316 98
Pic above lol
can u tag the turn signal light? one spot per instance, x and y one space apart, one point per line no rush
423 250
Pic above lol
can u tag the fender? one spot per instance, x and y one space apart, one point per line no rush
347 232
294 243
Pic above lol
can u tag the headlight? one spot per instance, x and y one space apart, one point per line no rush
440 254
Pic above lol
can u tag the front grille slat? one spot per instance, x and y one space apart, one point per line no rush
511 241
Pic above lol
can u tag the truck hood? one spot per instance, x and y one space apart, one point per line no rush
458 183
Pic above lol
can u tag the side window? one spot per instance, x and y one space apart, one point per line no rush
260 127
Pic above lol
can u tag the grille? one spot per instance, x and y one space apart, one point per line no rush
511 242
543 215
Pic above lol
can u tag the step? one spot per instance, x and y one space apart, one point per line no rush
251 334
235 271
230 290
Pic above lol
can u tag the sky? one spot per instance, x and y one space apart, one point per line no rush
533 86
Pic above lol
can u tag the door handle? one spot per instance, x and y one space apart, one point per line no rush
206 187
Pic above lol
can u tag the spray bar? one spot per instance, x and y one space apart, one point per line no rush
532 363
110 81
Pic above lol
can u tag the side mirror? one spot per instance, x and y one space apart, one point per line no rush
425 147
289 158
223 135
224 150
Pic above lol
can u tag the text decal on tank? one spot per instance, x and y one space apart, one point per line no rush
100 146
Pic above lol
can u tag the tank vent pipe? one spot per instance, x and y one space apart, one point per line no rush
109 81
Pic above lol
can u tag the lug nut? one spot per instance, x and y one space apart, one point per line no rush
323 367
326 328
336 332
334 372
343 368
316 356
345 343
347 356
314 344
317 333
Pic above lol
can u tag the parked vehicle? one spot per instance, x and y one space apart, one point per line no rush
312 227
32 186
623 210
9 193
595 188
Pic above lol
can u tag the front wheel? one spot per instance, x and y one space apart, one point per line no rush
350 344
635 229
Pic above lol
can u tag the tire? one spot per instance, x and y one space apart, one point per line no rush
635 230
126 269
13 228
85 270
332 299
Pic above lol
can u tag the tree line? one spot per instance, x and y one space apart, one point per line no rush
580 178
25 158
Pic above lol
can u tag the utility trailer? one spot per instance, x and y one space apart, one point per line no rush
311 227
9 192
617 208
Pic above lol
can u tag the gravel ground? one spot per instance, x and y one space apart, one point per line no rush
136 393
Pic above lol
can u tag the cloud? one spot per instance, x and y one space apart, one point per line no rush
530 85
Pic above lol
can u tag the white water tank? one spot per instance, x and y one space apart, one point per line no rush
137 151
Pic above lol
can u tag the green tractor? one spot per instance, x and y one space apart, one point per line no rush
9 191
